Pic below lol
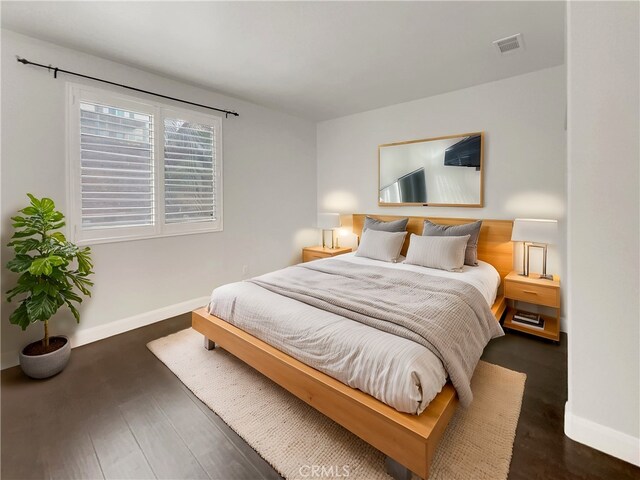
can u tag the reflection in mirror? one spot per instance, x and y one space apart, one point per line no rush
444 171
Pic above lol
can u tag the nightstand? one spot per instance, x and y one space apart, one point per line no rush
314 253
534 291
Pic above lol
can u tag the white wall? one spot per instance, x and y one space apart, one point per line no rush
603 409
269 195
523 119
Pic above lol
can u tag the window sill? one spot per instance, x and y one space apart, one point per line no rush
132 238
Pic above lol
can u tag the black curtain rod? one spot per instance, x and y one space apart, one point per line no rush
57 70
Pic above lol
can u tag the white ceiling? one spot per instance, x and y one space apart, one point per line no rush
317 60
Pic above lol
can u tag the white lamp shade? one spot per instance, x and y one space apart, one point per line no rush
535 231
327 221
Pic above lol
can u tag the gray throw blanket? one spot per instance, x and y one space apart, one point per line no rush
449 317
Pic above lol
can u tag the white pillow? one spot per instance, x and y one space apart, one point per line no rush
443 253
380 245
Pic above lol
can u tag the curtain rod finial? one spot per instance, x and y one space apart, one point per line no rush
21 60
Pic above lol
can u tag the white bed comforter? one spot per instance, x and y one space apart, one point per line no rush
397 371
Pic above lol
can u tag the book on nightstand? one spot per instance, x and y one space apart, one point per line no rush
532 320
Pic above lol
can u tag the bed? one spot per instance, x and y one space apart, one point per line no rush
409 416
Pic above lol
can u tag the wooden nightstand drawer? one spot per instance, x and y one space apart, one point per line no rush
308 256
547 296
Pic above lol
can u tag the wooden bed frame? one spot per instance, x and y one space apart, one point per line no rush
409 441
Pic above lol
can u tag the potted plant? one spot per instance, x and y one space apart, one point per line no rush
53 272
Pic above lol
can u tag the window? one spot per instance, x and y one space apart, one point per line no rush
141 169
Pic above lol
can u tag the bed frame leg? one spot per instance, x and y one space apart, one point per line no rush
209 344
397 471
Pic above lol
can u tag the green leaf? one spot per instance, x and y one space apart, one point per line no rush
59 236
24 233
34 201
17 290
56 260
84 261
25 246
56 226
65 249
41 266
59 275
20 316
82 283
50 289
47 205
19 264
27 279
34 221
18 222
74 311
41 306
56 216
70 295
30 211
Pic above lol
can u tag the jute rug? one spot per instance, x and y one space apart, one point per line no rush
301 443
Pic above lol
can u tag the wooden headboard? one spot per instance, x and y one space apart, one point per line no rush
494 245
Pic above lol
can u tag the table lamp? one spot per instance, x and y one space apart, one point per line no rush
328 221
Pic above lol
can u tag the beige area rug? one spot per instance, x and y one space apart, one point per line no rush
294 437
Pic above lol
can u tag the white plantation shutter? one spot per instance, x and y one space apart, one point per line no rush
189 171
140 169
117 167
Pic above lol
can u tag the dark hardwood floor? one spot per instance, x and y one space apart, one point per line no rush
118 412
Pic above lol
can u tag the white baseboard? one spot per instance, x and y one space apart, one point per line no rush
89 335
612 442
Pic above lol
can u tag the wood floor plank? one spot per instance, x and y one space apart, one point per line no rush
73 459
166 452
117 450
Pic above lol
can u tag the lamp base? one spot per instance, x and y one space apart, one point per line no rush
324 245
541 276
527 246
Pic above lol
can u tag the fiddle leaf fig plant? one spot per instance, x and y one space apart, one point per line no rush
53 272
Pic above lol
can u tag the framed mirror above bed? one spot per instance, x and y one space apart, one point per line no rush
435 172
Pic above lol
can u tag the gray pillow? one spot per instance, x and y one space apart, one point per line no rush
444 253
382 226
385 246
472 229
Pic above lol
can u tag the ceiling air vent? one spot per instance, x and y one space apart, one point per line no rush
509 44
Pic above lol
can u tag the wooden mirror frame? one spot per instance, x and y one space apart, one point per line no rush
412 204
